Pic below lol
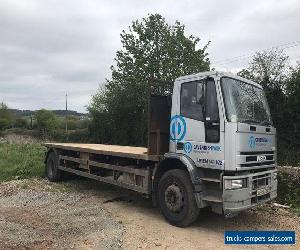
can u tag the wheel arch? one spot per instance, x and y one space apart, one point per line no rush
176 161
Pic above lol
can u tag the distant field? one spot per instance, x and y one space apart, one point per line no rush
18 161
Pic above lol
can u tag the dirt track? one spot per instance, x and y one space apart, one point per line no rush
80 214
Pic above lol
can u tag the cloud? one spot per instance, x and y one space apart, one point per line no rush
48 48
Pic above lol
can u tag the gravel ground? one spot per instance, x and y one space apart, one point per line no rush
33 217
82 214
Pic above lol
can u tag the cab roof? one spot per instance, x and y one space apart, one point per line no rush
219 74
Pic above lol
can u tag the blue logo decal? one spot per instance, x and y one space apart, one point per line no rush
251 141
200 148
258 141
188 147
177 128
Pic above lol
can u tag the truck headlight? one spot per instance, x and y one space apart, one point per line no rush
235 183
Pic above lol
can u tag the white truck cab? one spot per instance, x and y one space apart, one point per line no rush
222 124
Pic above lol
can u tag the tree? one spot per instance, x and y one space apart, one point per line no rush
293 107
20 123
6 117
4 124
151 49
46 121
269 68
282 87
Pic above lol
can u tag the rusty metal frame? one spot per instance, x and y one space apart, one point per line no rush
145 173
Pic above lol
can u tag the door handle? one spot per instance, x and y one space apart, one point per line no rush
215 124
211 124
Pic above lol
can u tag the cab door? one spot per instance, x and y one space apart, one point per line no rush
191 109
199 117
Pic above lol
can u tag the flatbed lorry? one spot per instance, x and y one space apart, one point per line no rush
212 144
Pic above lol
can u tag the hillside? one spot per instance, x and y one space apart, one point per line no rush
20 113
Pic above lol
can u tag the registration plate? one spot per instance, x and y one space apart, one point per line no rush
262 191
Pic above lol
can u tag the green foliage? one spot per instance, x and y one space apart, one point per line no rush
288 154
282 87
83 123
78 135
288 191
21 161
4 112
4 124
46 121
6 118
293 108
73 123
269 68
151 49
20 123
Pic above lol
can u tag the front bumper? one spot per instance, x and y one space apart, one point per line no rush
261 188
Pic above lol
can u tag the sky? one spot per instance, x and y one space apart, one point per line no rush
52 47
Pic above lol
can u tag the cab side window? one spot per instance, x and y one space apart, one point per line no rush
212 121
192 100
212 110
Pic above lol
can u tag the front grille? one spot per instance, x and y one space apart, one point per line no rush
256 158
261 187
251 158
257 153
257 164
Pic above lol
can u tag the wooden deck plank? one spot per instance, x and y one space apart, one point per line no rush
114 150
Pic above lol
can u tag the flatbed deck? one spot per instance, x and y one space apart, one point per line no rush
114 150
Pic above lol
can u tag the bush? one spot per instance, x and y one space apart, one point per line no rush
288 155
20 123
73 123
46 120
83 123
22 132
6 117
289 187
78 135
4 124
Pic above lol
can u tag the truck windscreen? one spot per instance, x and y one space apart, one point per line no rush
245 102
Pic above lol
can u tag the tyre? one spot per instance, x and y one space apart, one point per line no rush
176 198
53 174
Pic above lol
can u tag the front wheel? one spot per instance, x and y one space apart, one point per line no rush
176 198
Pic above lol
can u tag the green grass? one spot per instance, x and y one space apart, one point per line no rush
21 161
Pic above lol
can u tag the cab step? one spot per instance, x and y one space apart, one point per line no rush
212 198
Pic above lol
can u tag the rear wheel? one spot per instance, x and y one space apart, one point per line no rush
53 174
176 198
